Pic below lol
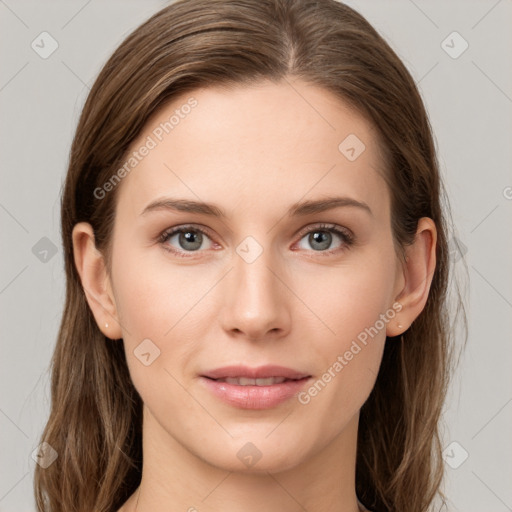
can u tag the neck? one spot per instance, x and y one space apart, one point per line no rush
174 478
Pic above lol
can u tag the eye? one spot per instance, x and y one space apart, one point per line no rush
321 237
185 239
181 240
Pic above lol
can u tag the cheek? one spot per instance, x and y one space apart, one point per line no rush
352 311
152 303
153 294
343 301
162 303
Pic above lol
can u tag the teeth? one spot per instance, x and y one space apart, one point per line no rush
245 381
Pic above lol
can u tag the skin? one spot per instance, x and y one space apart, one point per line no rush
253 151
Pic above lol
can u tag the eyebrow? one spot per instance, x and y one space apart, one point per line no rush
296 210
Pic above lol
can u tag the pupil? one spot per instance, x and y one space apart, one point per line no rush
321 237
187 237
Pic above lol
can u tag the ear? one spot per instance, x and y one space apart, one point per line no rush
415 277
96 283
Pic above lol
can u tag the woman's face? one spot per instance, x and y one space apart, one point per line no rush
260 278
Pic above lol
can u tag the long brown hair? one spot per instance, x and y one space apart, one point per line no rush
95 422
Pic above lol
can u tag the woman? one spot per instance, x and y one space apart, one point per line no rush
257 268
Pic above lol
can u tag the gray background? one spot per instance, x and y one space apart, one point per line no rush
469 99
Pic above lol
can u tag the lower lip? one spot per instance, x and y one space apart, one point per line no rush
255 397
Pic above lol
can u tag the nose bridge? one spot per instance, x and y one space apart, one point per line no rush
255 303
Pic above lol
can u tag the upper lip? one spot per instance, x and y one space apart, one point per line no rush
260 372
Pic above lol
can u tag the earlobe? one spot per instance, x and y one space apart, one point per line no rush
418 271
95 281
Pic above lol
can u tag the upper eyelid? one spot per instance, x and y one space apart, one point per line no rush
176 229
325 226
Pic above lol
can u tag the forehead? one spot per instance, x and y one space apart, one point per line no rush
258 145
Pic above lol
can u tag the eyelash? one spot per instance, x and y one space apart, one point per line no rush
346 236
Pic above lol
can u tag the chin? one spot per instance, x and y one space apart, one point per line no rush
256 454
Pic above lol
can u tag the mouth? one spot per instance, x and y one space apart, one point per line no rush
258 376
246 381
264 387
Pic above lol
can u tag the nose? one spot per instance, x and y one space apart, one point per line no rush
256 303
